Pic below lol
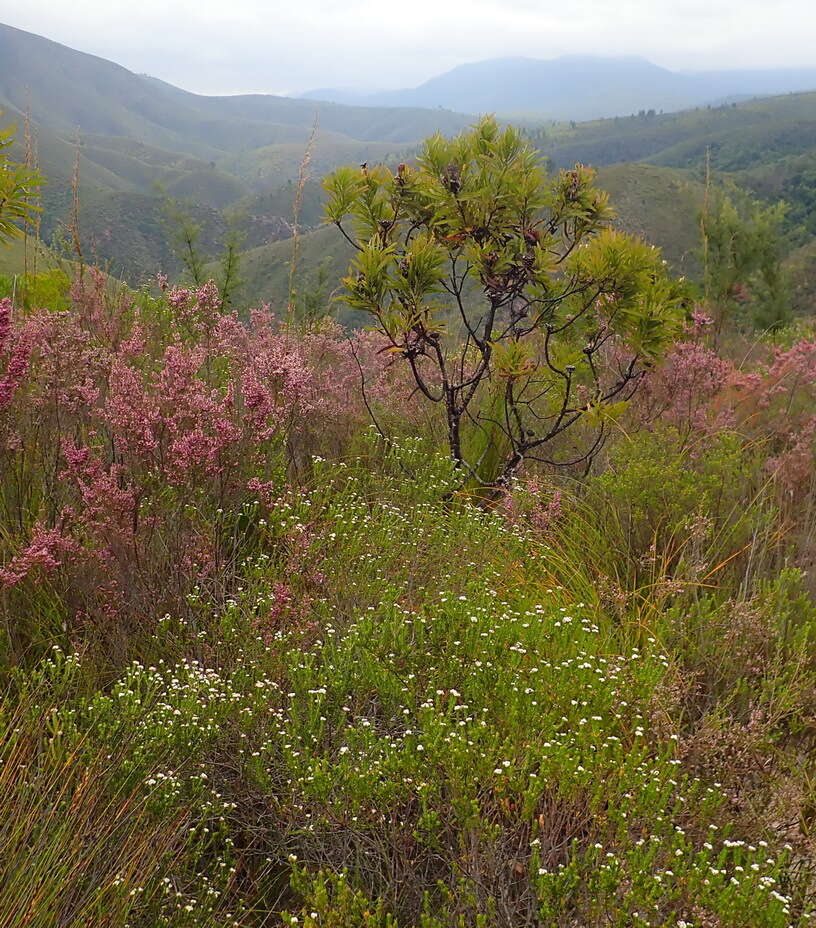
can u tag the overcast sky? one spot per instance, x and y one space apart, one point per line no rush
230 46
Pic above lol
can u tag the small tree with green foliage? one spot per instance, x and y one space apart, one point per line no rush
185 240
515 306
185 234
743 246
18 190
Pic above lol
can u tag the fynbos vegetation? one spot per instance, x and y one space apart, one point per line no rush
494 612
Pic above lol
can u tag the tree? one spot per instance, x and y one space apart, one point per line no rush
230 282
743 247
185 233
18 190
515 306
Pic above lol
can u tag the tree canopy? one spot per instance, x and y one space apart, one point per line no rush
506 291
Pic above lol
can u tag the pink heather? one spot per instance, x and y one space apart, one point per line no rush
46 551
5 320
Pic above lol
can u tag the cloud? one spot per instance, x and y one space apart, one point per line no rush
269 45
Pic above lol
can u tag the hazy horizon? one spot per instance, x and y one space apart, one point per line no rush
247 47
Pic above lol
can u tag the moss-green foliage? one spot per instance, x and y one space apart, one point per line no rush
655 487
743 244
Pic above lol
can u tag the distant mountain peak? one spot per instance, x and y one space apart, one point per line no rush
576 86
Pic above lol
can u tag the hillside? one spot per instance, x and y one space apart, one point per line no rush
142 142
739 135
652 167
661 206
234 162
657 203
791 178
274 165
578 87
69 90
20 254
323 258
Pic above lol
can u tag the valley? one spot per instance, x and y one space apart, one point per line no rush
147 153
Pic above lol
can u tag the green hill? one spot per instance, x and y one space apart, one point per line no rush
68 90
660 205
280 201
322 259
274 165
658 197
792 179
24 254
738 136
141 141
235 161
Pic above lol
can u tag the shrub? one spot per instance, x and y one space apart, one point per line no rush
133 433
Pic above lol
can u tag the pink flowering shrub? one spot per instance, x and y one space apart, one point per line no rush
769 399
129 426
46 550
15 351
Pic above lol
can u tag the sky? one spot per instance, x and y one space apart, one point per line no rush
287 46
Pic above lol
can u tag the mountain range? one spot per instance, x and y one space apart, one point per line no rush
577 87
234 164
68 90
139 141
